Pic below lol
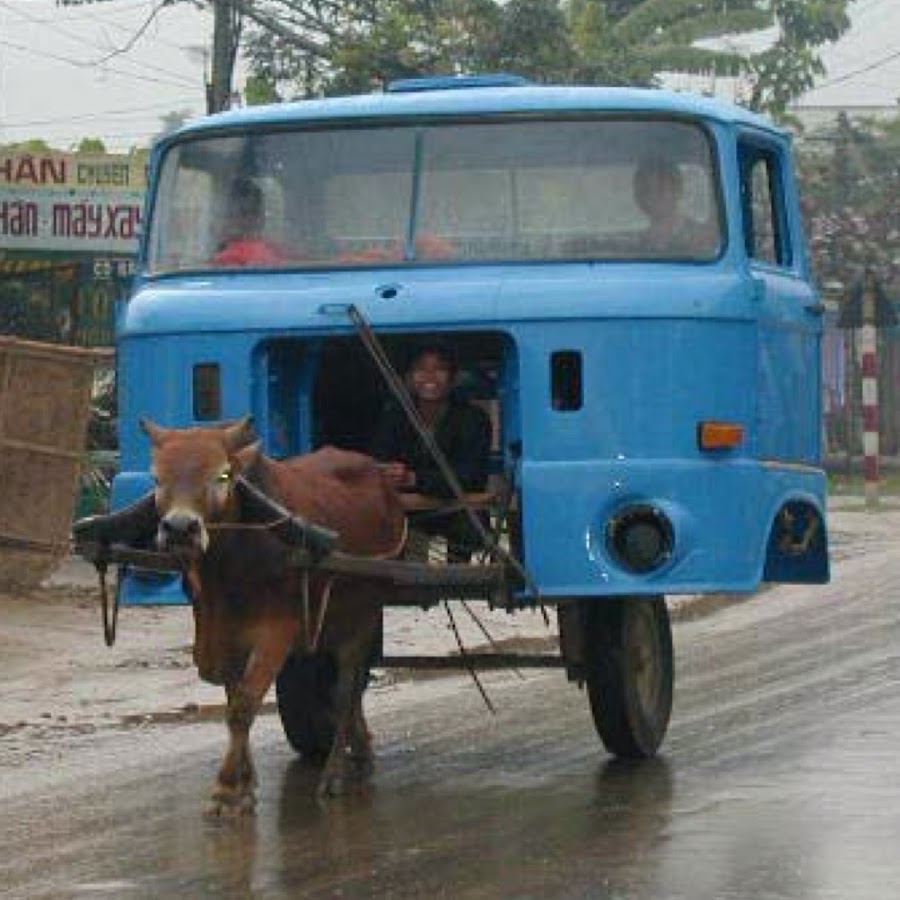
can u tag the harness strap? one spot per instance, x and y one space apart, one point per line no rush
110 615
324 600
400 546
304 598
253 526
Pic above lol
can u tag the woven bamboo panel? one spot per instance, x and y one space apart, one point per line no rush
44 404
23 569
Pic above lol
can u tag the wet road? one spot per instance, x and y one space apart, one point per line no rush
780 778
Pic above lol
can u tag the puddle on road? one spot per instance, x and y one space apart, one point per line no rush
116 887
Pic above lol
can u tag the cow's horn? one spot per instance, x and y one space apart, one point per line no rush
239 434
155 432
285 525
131 524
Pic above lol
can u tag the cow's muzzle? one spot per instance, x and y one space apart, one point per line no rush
182 534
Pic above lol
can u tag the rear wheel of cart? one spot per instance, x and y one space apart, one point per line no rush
304 691
629 672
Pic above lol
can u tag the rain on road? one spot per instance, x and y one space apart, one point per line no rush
779 778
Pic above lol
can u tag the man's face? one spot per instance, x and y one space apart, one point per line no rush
658 192
241 223
430 377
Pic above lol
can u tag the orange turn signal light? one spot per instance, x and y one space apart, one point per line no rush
715 435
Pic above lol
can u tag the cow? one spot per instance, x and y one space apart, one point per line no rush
251 606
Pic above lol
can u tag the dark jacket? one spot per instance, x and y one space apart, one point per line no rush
463 433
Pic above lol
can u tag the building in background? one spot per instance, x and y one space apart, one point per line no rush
69 225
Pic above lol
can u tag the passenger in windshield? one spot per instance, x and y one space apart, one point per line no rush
243 241
658 192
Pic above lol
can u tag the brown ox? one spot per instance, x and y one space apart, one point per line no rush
251 608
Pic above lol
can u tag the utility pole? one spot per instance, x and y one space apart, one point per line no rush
869 354
842 190
865 310
226 37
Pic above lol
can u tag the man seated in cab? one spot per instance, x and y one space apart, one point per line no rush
244 242
659 193
461 430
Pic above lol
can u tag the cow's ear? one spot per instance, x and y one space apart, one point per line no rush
248 456
239 434
153 431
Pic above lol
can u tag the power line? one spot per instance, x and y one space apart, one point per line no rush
79 39
78 6
95 17
137 35
79 64
848 75
132 111
863 11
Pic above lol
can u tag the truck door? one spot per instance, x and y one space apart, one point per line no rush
789 311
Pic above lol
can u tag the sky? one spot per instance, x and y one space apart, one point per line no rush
112 69
109 70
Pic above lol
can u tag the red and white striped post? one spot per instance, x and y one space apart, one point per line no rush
869 367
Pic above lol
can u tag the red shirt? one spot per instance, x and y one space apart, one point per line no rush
247 252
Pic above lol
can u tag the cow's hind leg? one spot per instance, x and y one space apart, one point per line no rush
233 794
360 736
350 744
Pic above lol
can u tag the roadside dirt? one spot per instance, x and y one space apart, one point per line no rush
58 679
56 673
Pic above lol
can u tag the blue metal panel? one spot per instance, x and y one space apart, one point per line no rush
790 321
156 381
721 511
456 82
480 102
789 389
298 301
647 385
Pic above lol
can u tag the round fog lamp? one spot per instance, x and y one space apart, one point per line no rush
640 538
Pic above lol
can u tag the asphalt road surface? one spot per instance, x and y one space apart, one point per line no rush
779 778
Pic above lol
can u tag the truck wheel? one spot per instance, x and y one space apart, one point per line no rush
304 691
629 672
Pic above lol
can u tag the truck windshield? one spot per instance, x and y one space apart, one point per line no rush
498 191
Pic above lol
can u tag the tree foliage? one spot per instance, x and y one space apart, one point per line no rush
308 47
25 315
91 145
31 145
851 179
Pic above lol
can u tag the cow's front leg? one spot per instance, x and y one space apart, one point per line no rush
233 794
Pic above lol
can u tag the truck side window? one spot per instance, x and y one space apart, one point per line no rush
764 233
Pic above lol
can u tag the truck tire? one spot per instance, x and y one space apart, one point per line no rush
629 672
304 691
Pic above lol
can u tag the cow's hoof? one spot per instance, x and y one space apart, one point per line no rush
331 786
228 803
363 766
334 784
